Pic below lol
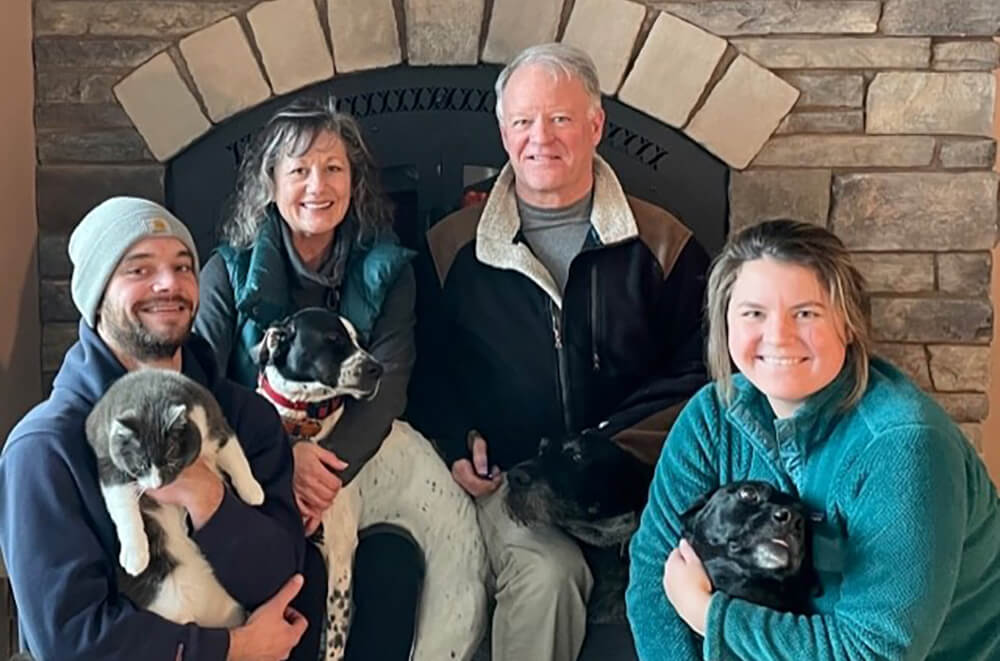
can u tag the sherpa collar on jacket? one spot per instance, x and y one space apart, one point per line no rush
496 236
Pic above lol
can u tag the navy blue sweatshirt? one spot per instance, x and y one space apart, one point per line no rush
60 545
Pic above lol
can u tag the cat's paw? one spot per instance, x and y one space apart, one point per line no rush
134 558
250 491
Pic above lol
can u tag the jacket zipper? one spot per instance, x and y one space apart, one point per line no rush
595 358
561 379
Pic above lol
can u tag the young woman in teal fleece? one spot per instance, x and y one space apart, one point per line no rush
908 548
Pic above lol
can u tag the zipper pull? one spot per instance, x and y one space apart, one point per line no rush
597 362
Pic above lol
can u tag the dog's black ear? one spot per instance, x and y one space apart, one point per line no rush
688 517
275 339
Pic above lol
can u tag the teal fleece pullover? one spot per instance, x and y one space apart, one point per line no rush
908 549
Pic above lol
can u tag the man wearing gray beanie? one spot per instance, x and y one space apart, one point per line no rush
135 283
104 236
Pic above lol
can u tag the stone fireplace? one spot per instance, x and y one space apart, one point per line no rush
871 117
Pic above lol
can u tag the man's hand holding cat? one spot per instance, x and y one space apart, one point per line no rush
315 483
272 630
198 489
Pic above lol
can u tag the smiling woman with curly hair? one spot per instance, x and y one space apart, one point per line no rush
309 227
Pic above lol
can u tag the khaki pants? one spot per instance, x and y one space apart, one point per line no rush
542 587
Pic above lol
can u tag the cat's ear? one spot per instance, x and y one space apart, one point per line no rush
270 346
124 425
176 416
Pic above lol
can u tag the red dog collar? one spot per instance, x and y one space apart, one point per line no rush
318 410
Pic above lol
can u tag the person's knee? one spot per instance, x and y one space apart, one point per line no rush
389 555
538 572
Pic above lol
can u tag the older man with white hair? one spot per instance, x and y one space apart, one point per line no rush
564 305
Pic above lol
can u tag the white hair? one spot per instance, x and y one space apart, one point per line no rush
560 59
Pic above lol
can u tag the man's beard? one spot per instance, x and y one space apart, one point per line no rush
137 341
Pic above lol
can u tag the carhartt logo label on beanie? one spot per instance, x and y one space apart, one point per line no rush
104 236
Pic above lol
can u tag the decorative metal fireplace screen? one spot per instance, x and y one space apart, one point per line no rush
433 132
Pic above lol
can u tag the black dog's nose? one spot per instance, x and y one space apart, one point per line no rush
519 477
782 515
372 370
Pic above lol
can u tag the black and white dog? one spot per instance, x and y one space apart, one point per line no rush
585 484
308 364
593 489
753 541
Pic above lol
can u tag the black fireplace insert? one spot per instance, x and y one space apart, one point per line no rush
434 134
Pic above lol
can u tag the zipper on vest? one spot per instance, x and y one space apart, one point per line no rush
561 379
595 358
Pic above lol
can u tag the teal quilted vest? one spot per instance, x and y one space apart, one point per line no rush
260 288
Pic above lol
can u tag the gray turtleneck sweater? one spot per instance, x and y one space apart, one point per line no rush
556 236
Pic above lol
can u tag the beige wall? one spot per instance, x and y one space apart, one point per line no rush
19 323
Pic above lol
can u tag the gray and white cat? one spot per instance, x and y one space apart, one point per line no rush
149 426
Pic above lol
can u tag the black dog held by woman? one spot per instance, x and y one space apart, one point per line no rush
754 544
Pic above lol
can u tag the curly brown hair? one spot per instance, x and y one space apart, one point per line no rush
291 131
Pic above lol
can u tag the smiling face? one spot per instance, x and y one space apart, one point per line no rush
313 190
150 301
784 335
550 130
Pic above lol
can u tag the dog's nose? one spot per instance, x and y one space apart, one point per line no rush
519 477
782 515
372 370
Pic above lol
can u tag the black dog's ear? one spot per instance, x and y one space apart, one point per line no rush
688 517
275 339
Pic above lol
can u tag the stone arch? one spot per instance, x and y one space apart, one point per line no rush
223 69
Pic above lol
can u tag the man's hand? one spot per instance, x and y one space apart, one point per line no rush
272 631
468 473
314 482
688 586
198 489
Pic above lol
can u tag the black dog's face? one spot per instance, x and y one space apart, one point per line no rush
751 538
582 479
318 350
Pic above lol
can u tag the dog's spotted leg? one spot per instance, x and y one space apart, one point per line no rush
340 524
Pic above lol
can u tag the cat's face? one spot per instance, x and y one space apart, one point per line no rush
154 445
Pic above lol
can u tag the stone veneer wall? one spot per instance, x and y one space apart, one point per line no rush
889 142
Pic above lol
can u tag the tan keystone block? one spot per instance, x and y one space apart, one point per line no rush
672 70
606 29
279 23
364 34
443 31
224 69
727 126
517 24
162 107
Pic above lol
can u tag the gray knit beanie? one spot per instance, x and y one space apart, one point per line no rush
104 236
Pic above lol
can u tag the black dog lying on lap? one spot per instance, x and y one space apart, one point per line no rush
754 544
585 484
595 490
